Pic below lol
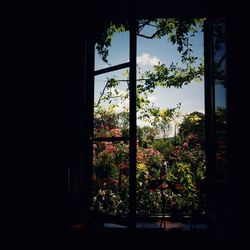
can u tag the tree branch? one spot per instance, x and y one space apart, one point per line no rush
150 37
102 94
106 98
122 80
142 25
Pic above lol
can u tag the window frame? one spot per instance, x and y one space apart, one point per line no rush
88 121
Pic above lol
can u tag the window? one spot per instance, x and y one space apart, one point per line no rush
112 168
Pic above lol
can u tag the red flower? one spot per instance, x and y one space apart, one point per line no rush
111 181
163 186
123 165
179 186
163 176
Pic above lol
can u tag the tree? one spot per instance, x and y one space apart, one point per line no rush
178 31
106 118
146 135
193 123
164 146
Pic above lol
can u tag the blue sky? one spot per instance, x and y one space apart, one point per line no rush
149 52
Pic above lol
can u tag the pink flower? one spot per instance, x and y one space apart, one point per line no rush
110 149
185 144
116 132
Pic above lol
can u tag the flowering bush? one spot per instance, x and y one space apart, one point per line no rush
172 181
187 167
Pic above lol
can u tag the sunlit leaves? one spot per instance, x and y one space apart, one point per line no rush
193 123
172 76
104 36
177 30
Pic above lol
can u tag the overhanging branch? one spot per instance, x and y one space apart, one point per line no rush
152 36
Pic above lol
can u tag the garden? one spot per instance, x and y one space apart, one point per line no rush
169 173
170 170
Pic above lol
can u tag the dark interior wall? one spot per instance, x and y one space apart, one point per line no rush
73 107
238 129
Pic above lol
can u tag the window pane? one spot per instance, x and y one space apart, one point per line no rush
170 117
111 108
118 52
220 98
111 177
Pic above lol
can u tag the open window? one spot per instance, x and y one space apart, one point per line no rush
121 188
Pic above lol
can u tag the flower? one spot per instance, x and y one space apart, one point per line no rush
163 186
116 132
123 165
110 149
179 186
111 181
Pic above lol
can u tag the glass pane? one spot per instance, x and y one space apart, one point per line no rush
170 117
111 177
220 98
118 52
111 108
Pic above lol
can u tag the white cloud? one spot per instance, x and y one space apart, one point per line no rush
147 59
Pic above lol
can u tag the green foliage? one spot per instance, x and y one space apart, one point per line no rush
104 36
172 76
147 135
220 115
187 167
177 30
164 146
108 119
193 123
164 173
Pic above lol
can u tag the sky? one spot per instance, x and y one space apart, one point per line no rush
149 53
